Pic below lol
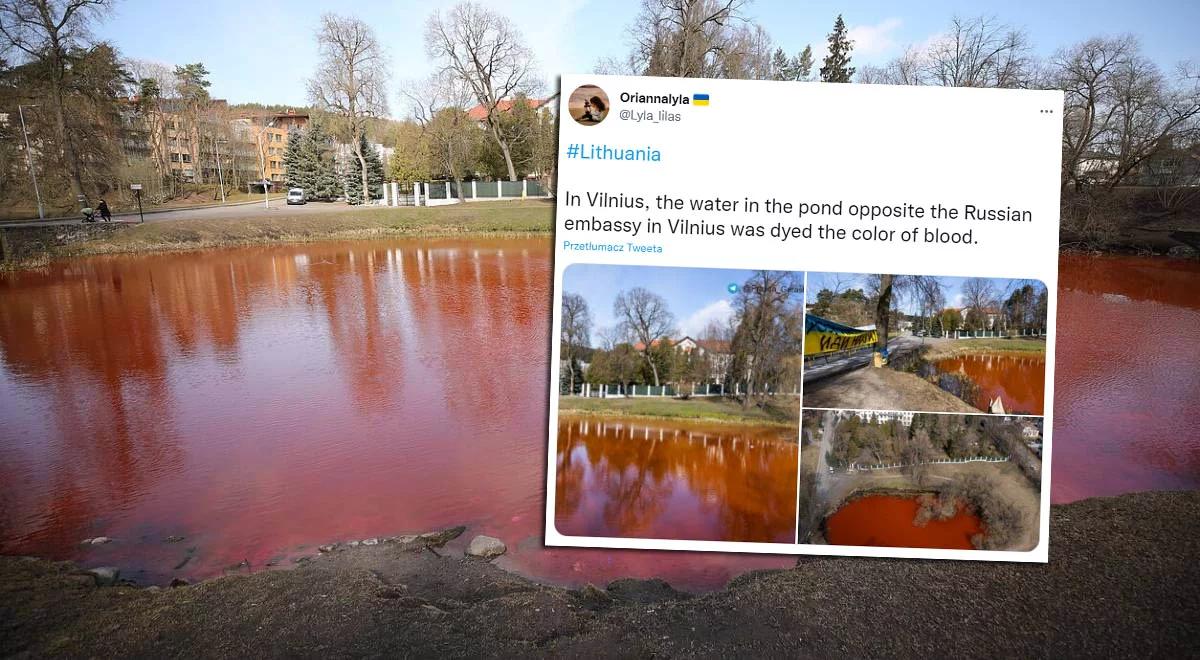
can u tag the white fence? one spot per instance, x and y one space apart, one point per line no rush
441 193
855 467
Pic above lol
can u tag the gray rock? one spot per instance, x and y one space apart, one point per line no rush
486 547
106 575
328 548
438 539
100 540
173 539
644 592
370 542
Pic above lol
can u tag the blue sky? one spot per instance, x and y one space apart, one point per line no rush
260 52
695 296
952 287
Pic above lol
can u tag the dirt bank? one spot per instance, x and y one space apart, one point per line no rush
881 389
1122 581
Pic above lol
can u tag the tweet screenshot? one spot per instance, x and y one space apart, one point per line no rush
804 318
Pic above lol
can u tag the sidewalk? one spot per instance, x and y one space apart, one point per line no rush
78 217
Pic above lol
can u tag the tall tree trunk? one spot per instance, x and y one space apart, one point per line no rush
500 142
66 141
362 164
882 312
653 367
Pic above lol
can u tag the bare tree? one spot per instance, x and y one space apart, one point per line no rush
350 82
910 68
575 331
487 53
888 290
768 329
980 52
1086 72
48 31
646 319
979 297
1150 114
698 39
438 105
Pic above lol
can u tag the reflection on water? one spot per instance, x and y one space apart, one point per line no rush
675 480
888 520
1127 395
254 400
257 400
1019 380
260 399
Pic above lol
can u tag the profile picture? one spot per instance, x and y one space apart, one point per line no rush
588 105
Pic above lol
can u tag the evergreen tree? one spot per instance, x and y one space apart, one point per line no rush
795 68
780 66
310 165
804 64
299 170
354 193
837 67
325 180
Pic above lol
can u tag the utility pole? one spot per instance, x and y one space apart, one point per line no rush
220 176
29 159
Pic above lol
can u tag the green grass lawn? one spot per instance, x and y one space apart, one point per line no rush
988 345
516 217
781 411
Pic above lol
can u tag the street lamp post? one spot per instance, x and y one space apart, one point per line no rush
29 159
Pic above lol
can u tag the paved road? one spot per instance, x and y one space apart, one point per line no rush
824 478
821 369
239 210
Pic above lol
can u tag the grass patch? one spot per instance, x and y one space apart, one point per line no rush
950 348
781 411
517 217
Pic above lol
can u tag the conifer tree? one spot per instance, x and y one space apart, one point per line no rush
299 172
354 178
837 67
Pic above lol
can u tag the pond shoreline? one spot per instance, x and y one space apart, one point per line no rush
387 599
33 247
27 248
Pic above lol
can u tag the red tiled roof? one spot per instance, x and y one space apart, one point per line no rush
479 113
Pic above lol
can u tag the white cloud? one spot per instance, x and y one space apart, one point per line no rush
694 324
875 39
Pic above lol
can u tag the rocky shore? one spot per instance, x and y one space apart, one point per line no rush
1123 580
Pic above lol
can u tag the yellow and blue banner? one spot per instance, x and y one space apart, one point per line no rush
699 99
822 337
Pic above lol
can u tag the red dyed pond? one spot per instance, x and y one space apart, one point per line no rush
1127 377
262 401
1019 380
257 400
706 482
888 520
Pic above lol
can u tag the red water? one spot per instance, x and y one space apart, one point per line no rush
1019 380
1127 377
256 400
262 399
887 520
672 480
